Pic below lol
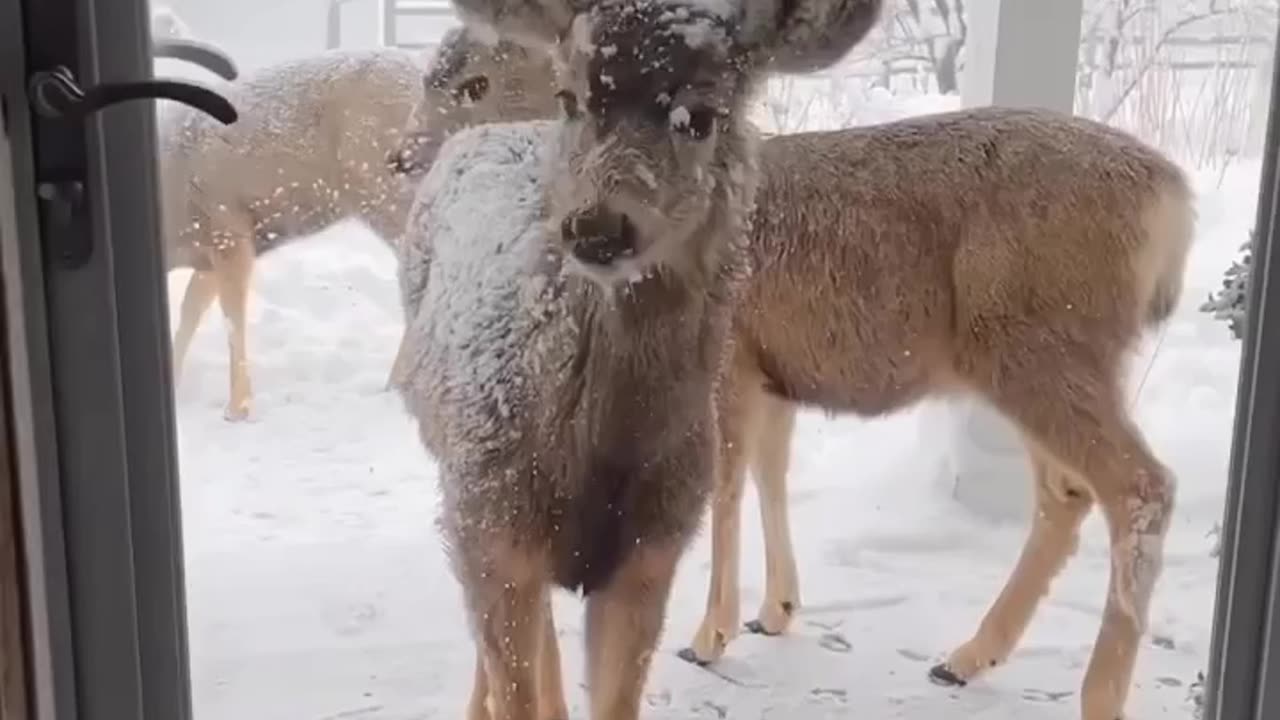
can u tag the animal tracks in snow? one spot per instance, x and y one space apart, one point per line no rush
874 602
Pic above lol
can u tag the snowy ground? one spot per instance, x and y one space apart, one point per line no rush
318 591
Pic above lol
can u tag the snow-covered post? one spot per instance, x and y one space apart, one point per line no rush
355 24
1018 53
165 23
1260 99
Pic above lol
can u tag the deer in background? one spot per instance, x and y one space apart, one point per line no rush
1017 255
570 317
308 151
474 78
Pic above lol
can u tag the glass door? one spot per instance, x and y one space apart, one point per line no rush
247 534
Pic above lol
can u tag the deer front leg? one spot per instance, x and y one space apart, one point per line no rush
624 621
506 597
551 702
739 422
478 706
720 623
233 266
773 455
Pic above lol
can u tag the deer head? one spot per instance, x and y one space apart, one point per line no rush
654 144
474 78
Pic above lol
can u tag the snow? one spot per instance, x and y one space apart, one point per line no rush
679 117
318 589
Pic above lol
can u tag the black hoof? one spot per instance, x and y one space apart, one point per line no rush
689 656
757 628
942 675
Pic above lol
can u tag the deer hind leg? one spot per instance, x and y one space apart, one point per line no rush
1074 410
506 599
624 621
233 266
1061 505
739 418
773 456
201 290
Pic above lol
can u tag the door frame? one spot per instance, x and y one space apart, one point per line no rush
1243 677
90 369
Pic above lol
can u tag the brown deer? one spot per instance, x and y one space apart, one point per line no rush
473 78
872 291
570 308
308 151
1013 254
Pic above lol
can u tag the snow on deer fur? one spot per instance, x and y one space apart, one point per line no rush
482 292
309 150
574 320
473 78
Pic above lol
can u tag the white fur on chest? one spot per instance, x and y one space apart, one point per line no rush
482 292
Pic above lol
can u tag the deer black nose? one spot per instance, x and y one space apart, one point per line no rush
411 157
400 162
597 236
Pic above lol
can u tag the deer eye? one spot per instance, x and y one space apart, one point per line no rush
568 103
471 90
696 122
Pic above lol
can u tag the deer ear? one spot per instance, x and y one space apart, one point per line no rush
800 36
532 23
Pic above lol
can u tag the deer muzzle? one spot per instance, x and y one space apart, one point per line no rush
599 236
413 156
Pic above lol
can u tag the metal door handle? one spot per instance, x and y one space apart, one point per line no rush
56 94
207 56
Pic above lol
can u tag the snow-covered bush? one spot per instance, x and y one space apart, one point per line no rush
1228 303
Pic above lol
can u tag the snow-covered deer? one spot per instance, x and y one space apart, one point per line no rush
309 151
474 78
1017 255
570 314
876 291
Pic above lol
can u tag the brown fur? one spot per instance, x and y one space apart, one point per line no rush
308 151
1014 254
616 429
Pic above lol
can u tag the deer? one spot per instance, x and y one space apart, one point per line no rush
308 152
1015 255
474 77
568 287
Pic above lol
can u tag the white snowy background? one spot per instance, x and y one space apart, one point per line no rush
317 589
